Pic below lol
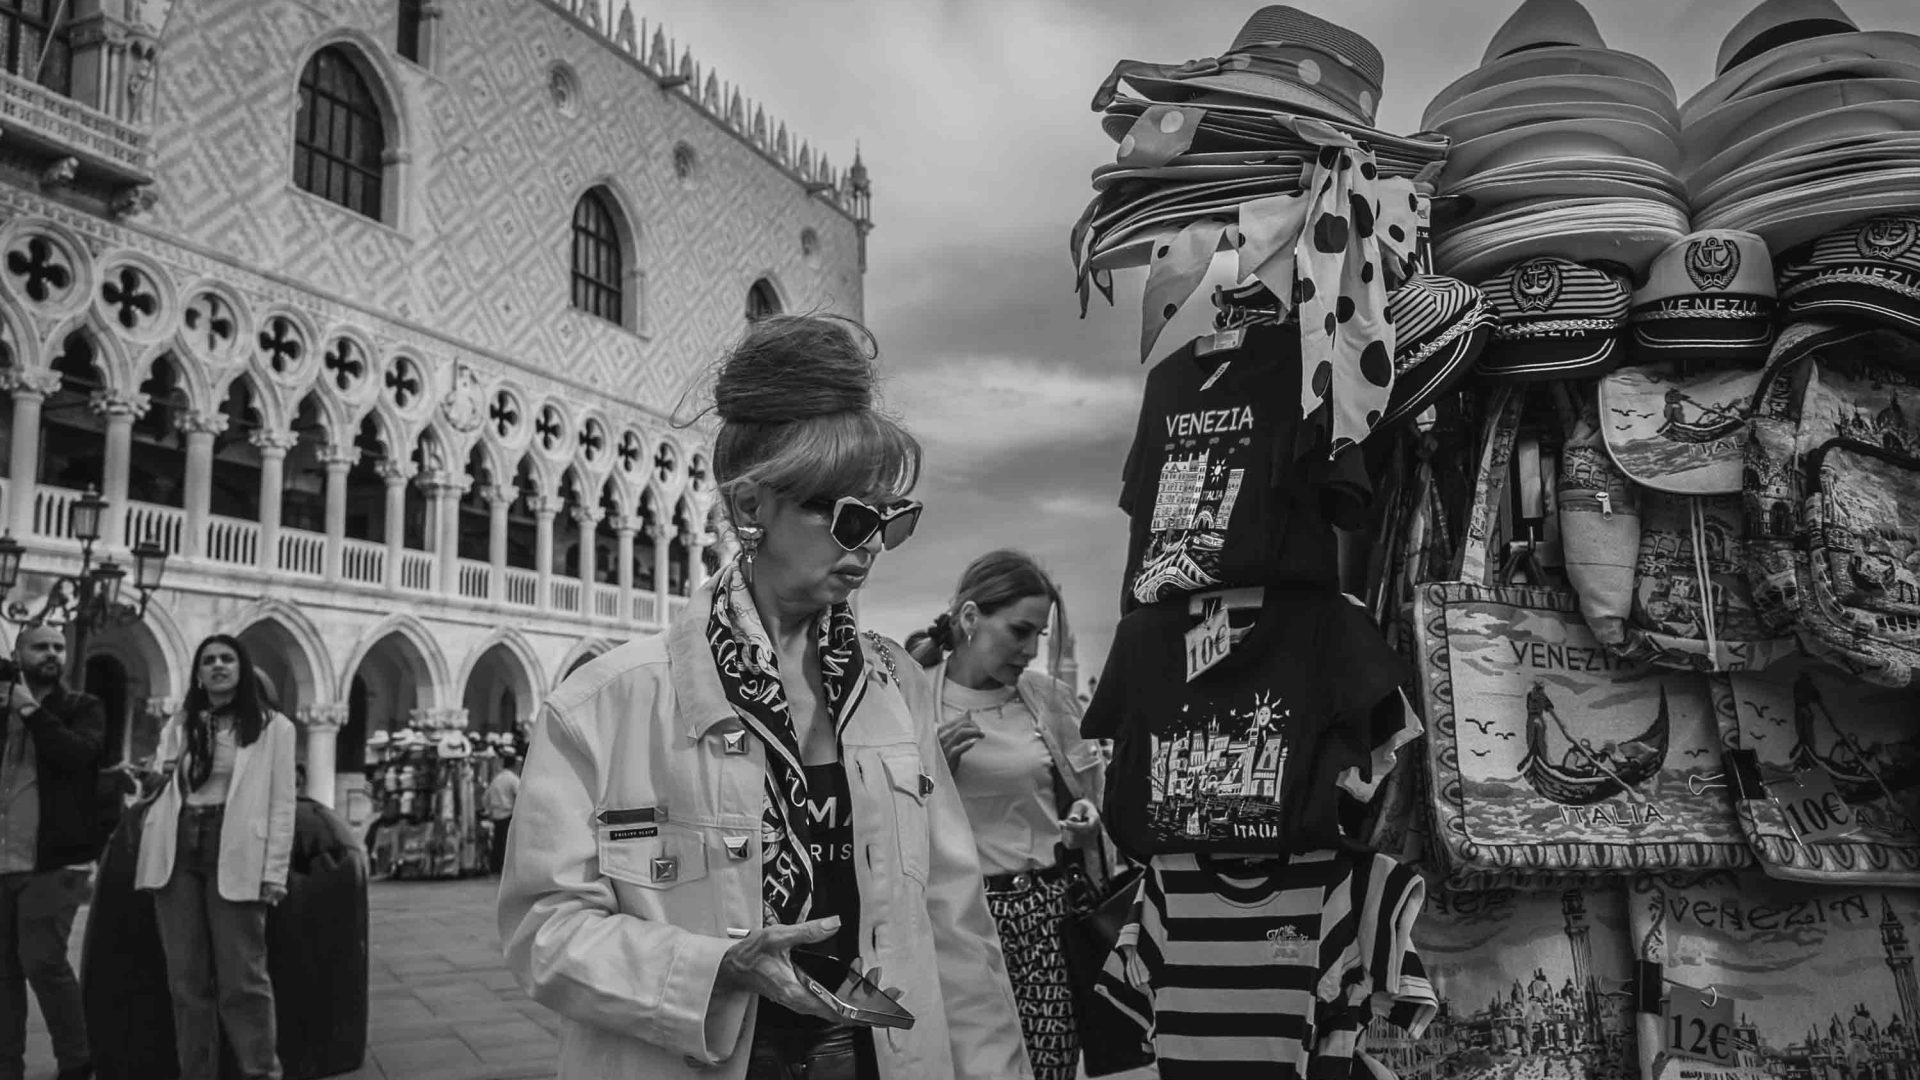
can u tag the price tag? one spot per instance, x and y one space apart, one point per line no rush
1700 1025
1813 807
1207 644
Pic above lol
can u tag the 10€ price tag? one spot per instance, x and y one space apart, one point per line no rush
1207 644
1813 807
1700 1025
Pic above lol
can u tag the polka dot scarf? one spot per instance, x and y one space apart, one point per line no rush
1333 248
750 676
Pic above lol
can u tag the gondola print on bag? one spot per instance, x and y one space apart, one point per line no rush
1747 978
1530 983
1826 773
1546 752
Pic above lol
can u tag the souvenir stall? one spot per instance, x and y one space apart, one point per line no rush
1517 673
427 789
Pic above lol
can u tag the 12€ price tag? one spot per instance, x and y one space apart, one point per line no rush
1207 644
1813 808
1700 1025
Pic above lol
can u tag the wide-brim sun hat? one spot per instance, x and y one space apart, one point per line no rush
1484 196
1745 118
1864 120
1283 57
1847 155
1561 139
1475 125
1801 215
1628 236
1780 42
1555 90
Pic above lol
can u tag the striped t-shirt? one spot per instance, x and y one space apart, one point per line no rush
1238 966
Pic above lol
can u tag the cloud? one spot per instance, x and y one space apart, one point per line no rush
974 412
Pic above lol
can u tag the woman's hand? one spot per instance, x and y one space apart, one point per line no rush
271 894
1082 824
759 964
957 738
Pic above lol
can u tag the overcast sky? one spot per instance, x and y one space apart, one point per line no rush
973 118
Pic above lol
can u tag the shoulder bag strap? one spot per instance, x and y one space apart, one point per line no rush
1496 455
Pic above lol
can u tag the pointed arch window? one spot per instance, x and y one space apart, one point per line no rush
339 139
762 301
599 264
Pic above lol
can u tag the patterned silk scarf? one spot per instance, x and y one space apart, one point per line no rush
750 677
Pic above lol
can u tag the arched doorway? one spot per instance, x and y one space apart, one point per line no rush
499 694
127 668
277 654
107 680
394 677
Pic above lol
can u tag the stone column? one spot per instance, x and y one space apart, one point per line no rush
29 389
430 13
200 429
499 500
662 563
544 508
120 409
338 462
143 735
446 491
323 724
273 447
586 517
697 558
396 474
623 527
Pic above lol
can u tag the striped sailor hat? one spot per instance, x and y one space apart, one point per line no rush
1867 270
1558 320
1440 325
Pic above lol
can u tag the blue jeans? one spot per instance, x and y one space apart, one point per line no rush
216 959
36 920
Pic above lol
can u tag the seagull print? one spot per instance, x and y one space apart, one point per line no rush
1484 725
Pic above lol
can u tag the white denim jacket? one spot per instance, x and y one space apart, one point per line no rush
619 926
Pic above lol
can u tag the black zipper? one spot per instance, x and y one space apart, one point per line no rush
1819 457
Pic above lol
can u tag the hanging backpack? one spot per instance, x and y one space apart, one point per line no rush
1832 487
1652 524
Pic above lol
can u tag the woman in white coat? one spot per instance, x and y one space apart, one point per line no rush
215 846
701 808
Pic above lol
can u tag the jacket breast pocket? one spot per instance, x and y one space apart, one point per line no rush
909 785
651 863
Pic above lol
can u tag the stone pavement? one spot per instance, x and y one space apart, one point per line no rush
441 1003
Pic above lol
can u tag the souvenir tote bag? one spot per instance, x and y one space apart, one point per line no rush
1743 977
1653 523
1546 753
1832 487
1825 772
1531 984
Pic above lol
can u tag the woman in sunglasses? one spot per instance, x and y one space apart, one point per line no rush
1031 784
720 826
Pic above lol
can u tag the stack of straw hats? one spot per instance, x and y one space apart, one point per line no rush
1810 124
1562 147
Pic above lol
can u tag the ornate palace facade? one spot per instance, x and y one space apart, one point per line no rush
383 317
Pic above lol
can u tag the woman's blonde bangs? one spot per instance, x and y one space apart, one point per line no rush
859 453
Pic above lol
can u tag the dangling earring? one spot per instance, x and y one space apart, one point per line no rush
749 537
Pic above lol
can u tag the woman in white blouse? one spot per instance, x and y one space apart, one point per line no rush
1032 786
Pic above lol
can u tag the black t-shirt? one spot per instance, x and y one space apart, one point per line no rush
1245 759
836 891
1217 491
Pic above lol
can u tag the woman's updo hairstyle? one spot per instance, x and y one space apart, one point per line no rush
795 399
992 582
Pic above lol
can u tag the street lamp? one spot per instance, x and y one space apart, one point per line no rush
89 600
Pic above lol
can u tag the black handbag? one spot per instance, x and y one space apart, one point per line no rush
1110 1040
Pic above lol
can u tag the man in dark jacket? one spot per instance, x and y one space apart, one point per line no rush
49 833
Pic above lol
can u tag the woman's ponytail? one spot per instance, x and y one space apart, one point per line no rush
930 646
